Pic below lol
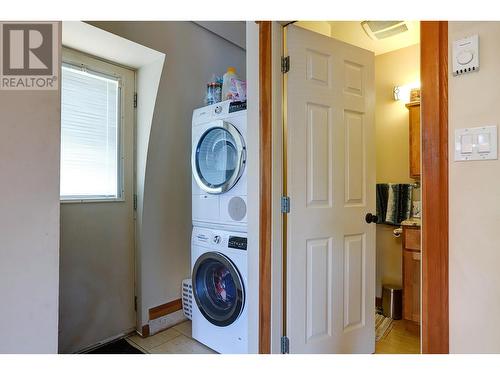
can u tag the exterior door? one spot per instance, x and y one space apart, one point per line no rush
331 185
97 233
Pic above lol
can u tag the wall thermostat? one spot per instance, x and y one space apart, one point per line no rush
466 55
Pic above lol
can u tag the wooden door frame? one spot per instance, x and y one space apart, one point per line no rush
434 176
434 122
265 192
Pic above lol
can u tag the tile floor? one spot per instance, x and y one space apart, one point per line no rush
403 338
174 340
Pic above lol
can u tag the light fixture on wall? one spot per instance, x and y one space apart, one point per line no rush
402 93
396 92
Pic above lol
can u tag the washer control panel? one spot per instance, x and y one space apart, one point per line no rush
239 243
219 238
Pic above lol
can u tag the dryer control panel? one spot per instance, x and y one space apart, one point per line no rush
222 110
237 106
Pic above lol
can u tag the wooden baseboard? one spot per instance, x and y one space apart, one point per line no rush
165 309
145 331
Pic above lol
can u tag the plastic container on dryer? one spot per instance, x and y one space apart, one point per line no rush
214 90
226 83
214 94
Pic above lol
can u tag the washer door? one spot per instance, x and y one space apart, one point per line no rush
219 158
218 289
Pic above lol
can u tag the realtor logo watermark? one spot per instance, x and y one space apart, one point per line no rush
29 55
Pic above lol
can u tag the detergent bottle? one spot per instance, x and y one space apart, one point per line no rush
226 83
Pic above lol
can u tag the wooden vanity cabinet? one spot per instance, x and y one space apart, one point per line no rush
411 273
414 130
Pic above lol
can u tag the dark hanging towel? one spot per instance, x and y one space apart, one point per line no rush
382 194
393 203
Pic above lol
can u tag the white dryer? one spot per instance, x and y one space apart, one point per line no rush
219 157
219 281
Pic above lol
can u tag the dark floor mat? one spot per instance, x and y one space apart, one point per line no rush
116 347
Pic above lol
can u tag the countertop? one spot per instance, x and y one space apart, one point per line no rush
412 222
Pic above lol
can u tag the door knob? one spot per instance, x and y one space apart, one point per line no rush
370 218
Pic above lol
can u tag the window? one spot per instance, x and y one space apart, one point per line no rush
90 135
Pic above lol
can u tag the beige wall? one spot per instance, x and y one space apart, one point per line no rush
391 121
474 251
192 55
29 220
232 31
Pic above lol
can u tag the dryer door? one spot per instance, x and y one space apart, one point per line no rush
219 158
218 289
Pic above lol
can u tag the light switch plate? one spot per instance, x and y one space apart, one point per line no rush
484 143
466 55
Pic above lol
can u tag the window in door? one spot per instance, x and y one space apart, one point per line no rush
91 167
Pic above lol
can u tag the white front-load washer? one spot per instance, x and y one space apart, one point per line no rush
219 158
219 281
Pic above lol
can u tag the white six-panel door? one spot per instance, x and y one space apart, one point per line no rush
331 184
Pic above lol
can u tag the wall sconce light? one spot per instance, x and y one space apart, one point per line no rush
396 92
402 93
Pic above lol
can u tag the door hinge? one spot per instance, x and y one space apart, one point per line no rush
285 64
285 345
135 100
285 205
135 303
135 201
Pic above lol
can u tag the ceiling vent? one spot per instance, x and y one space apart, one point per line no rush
377 30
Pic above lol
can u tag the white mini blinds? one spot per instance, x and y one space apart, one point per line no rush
90 135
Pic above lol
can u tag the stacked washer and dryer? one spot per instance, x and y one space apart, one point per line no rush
219 238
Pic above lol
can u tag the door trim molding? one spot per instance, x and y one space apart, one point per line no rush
265 172
434 125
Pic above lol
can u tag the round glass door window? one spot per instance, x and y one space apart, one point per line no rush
218 289
219 159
